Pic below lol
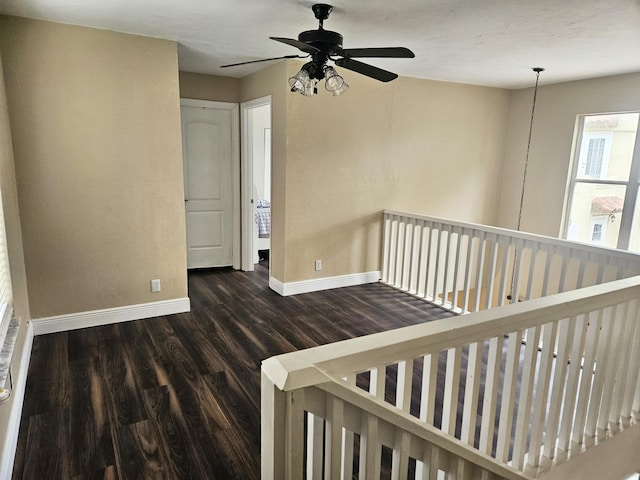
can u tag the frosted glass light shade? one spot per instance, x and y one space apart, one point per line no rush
333 81
299 81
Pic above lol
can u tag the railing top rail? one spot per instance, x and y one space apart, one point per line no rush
557 242
317 365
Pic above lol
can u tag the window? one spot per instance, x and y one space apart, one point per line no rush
596 233
600 205
595 154
6 294
598 227
593 160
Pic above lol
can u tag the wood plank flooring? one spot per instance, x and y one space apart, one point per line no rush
178 397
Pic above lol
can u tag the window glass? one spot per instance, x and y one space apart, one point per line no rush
595 214
606 148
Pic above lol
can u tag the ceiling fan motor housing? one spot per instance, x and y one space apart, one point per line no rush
325 40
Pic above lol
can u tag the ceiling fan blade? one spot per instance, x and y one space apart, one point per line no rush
305 47
387 52
366 69
263 60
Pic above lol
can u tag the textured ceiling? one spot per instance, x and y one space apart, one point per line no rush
490 42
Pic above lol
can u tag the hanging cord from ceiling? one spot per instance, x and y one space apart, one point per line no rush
537 70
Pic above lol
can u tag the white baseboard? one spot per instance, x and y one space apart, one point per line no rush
325 283
276 285
72 321
15 413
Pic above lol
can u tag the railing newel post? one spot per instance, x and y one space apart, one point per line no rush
273 428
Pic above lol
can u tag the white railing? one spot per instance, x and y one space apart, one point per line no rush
462 397
466 267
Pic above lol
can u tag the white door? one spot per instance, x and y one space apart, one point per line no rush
207 144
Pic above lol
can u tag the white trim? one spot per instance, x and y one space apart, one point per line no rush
247 179
276 285
237 218
194 102
325 283
72 321
235 153
15 414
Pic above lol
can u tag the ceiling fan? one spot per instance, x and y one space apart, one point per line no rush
324 45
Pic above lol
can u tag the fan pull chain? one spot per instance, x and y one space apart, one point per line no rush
524 178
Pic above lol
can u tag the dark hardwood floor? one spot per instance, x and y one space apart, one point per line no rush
178 397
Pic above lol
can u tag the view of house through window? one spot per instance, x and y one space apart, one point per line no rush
602 201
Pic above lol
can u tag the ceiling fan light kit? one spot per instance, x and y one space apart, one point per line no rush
324 45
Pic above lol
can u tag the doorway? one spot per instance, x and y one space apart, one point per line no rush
256 181
211 183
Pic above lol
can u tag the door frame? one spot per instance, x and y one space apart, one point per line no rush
235 167
247 179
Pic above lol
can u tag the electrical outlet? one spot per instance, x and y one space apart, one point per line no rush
318 265
155 285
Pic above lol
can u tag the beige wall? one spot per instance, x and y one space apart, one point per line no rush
209 87
416 145
95 122
16 255
555 120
